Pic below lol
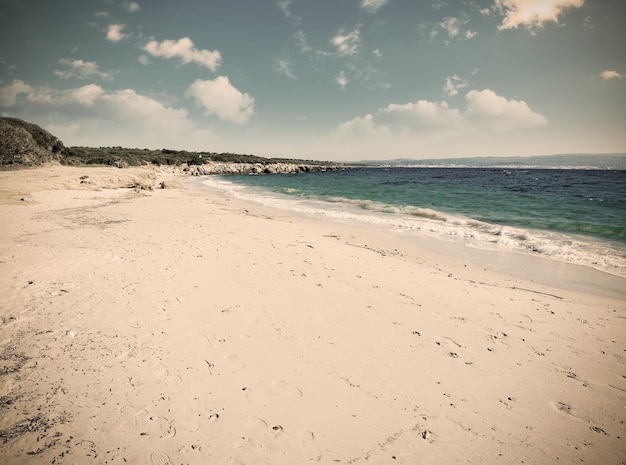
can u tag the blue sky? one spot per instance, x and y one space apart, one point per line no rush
321 79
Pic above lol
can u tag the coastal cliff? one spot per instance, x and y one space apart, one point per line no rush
23 143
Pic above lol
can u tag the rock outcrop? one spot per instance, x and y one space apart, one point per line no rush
254 168
23 143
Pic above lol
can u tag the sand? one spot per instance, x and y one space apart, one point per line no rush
176 326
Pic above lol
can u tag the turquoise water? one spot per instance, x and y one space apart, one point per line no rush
574 215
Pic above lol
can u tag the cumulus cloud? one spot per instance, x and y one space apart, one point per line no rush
8 94
81 69
532 14
420 116
484 111
487 109
89 115
219 97
361 126
185 50
609 74
372 6
453 84
347 44
84 96
115 32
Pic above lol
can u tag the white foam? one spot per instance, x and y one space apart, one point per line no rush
602 255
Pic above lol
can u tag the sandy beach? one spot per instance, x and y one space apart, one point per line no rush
176 326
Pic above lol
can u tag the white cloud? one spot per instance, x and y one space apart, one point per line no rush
453 84
144 60
283 66
372 6
347 44
115 32
185 50
487 109
132 7
84 96
219 97
284 5
420 116
453 26
303 47
342 80
532 14
90 116
361 126
81 69
8 94
606 75
485 112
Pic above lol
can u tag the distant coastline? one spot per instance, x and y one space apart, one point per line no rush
611 161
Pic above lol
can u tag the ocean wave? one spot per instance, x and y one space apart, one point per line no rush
603 255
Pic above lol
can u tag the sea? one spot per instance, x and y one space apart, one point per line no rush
575 216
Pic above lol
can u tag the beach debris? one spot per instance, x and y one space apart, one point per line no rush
210 365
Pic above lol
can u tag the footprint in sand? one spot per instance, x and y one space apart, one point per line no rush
154 425
234 362
127 417
164 376
307 445
166 429
564 408
160 458
287 388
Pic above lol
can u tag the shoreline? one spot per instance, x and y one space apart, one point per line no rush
180 326
540 268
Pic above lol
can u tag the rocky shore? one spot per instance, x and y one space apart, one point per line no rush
253 168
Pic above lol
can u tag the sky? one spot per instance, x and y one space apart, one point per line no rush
339 80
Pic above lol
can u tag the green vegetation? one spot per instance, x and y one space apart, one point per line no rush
119 156
26 144
41 137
